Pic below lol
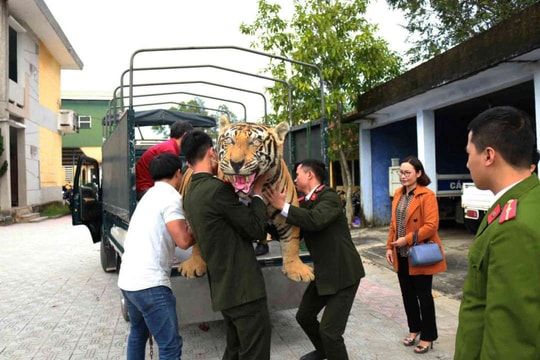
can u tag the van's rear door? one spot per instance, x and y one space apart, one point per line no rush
86 206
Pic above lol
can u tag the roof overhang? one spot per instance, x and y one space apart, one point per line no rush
506 55
36 15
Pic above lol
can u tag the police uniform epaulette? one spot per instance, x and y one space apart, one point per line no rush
314 195
509 211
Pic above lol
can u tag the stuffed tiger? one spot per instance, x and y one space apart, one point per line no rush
245 152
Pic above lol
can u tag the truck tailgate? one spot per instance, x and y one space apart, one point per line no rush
193 303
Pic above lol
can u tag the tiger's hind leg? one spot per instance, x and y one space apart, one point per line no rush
293 266
194 266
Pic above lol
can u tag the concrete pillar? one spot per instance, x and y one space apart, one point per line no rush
366 183
5 185
425 132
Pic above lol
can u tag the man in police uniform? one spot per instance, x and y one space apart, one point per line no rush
224 228
499 316
338 267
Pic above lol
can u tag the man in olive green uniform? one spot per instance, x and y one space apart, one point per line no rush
499 316
337 264
224 228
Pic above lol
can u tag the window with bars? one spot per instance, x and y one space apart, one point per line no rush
85 122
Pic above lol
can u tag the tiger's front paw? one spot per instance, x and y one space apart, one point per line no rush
296 270
192 267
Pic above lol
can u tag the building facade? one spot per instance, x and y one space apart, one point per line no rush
426 110
90 110
34 50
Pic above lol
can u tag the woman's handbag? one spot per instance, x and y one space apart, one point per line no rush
427 253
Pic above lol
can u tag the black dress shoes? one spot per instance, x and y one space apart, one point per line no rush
261 249
314 355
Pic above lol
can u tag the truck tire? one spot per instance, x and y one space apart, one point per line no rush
107 255
123 307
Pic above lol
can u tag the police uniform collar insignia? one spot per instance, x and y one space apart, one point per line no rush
509 211
493 214
313 195
317 190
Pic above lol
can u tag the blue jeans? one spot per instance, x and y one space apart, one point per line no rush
153 310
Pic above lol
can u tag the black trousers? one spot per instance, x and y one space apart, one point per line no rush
418 301
326 336
248 331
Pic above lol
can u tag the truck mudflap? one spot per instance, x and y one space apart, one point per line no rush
193 304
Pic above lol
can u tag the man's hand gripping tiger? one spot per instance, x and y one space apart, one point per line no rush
247 151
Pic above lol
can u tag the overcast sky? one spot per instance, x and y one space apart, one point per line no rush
105 33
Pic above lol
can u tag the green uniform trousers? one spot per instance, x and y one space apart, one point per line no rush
326 336
248 331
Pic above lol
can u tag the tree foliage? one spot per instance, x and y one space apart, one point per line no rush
332 35
437 25
336 37
197 106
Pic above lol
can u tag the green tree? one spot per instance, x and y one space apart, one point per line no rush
195 105
224 110
335 36
437 25
4 166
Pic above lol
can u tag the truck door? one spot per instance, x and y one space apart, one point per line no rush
86 203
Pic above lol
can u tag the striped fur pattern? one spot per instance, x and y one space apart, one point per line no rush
247 151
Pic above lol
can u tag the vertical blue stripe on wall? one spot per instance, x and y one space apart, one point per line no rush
396 140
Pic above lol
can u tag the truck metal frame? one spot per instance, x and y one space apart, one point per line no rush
104 199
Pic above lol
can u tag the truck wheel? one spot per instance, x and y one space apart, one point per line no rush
123 306
107 255
472 225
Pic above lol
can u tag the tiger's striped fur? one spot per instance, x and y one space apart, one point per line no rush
245 152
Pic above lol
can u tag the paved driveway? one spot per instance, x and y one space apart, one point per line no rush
57 303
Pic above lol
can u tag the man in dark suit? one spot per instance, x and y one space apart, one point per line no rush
224 228
338 267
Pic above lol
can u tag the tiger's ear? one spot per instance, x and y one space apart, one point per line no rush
281 130
223 121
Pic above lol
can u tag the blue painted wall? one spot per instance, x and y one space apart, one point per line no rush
396 140
399 140
451 140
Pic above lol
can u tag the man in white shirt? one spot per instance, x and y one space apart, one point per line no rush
156 227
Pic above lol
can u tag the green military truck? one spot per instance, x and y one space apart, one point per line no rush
104 198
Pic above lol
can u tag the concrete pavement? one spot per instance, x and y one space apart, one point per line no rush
57 303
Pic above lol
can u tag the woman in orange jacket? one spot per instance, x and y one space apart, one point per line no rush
415 209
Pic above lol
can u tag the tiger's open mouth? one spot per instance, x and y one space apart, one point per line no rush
243 183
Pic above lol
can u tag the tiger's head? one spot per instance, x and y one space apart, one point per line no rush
248 150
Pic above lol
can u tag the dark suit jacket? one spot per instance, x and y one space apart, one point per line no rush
225 229
324 227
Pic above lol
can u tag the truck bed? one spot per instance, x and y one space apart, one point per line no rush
193 303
